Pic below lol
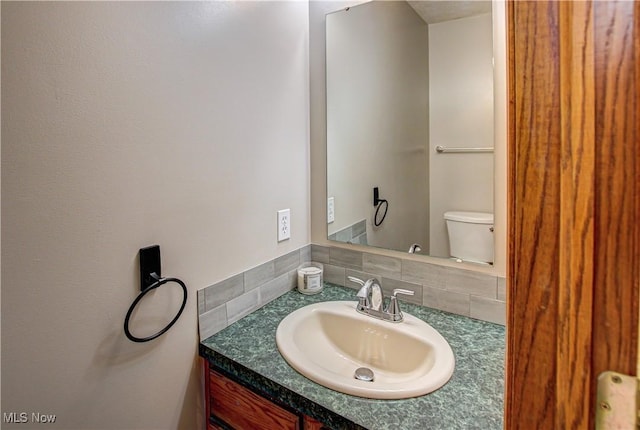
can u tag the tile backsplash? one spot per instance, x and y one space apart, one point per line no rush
356 233
461 291
227 301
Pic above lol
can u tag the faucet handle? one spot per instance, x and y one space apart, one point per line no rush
394 307
403 292
356 280
363 292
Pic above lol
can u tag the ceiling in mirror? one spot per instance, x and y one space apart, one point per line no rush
433 12
404 78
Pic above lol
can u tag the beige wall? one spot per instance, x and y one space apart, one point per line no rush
461 115
124 125
377 133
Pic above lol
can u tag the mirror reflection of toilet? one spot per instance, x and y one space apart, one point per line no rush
470 236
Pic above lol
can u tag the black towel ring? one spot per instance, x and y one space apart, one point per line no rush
159 282
381 202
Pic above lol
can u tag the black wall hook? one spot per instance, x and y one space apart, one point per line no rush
149 264
376 196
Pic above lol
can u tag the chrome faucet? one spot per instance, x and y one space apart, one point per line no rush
414 248
371 300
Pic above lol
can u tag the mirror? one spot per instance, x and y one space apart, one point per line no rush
402 79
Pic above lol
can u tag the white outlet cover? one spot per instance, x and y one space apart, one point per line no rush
331 210
284 224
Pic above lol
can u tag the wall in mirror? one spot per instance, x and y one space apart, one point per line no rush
402 79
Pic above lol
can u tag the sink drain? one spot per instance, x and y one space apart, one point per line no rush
364 374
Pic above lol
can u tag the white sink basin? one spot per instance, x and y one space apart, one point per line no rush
328 341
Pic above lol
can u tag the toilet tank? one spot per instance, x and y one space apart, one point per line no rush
470 236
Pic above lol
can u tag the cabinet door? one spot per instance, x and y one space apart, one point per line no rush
243 409
311 424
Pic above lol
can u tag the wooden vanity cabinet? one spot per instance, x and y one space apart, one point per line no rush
230 405
311 424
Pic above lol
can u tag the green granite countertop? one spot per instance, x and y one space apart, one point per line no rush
472 399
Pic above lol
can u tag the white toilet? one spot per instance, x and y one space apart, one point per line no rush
470 236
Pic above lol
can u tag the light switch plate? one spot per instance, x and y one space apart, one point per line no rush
284 224
331 210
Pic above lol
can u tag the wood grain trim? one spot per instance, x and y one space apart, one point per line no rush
207 392
577 212
511 317
637 145
534 212
574 191
312 424
617 192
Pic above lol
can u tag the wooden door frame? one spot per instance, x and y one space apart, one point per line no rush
573 205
